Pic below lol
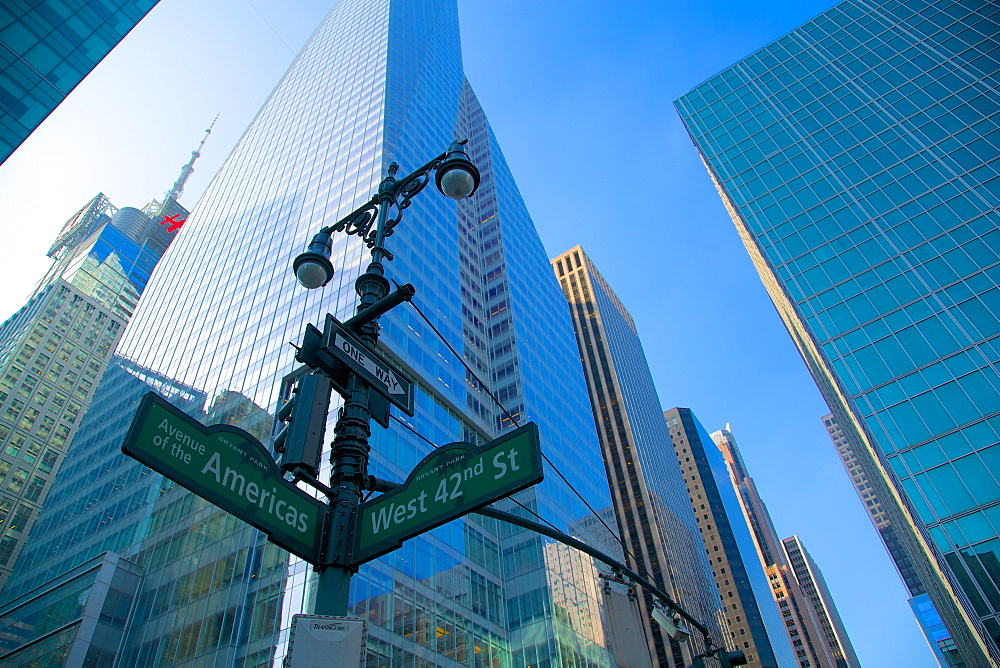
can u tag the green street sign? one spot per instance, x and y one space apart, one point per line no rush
230 468
452 481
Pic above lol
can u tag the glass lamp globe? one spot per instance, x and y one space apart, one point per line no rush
312 274
457 183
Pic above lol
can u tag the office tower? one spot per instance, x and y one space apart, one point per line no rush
46 49
755 627
940 641
55 349
378 81
650 500
82 597
801 625
856 156
813 584
806 624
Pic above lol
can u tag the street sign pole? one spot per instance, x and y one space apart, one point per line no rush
349 451
230 468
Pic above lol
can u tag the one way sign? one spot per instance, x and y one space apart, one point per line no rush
376 370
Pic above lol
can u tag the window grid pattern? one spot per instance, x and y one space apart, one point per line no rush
55 350
748 607
859 154
647 487
45 51
377 82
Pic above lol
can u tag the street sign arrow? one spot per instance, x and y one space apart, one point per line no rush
377 371
230 468
388 381
450 482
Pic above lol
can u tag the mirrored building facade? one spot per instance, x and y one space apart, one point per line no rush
650 498
379 81
933 628
54 350
857 156
752 620
46 49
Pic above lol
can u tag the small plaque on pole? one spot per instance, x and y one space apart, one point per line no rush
325 640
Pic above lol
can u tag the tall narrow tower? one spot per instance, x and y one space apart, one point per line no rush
813 584
55 349
650 499
379 81
857 157
808 621
753 622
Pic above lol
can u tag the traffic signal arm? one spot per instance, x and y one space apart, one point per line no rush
596 554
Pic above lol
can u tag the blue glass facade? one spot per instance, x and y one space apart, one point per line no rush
54 350
379 81
857 156
650 499
934 630
936 634
754 624
46 48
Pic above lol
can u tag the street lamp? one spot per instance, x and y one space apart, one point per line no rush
456 177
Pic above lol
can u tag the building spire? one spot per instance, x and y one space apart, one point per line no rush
178 187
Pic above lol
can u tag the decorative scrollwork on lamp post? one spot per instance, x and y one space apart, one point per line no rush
456 177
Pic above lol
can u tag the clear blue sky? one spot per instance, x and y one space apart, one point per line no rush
580 97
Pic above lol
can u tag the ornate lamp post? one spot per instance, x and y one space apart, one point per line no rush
456 177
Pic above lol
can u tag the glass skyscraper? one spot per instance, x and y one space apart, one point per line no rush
55 349
811 619
47 48
857 156
751 617
650 498
379 81
930 622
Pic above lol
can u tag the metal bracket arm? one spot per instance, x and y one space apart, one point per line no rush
596 554
401 294
301 474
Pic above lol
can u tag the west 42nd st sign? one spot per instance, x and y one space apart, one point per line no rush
230 468
452 481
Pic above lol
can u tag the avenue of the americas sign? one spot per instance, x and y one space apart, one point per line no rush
451 481
230 468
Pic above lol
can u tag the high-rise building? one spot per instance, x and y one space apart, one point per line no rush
753 622
938 638
379 81
811 580
650 499
805 622
55 348
46 49
857 158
